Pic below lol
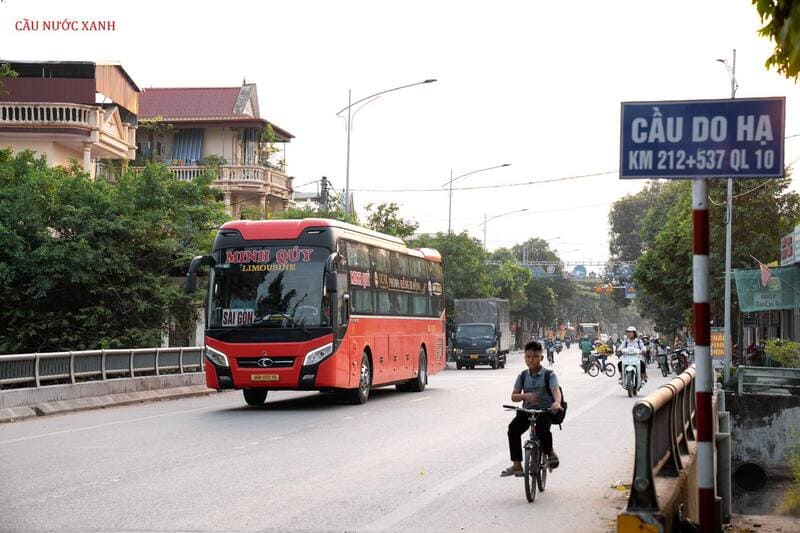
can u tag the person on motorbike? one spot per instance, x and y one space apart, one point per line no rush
550 346
586 351
632 341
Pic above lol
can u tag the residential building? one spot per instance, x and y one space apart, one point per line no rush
219 129
70 111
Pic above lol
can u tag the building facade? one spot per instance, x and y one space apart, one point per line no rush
194 130
70 111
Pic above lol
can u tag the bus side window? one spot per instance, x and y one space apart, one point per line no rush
383 302
399 304
399 264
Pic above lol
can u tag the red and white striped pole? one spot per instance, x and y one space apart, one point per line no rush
704 383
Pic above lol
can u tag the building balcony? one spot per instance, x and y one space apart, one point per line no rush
98 131
25 115
241 180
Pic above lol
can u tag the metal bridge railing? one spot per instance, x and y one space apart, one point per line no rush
38 369
663 426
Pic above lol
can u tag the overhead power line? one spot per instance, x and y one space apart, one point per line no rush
498 186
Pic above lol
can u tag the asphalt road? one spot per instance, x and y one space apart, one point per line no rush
425 461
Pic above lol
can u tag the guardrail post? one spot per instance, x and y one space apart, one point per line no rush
36 369
643 491
133 374
71 367
180 360
724 482
158 351
103 363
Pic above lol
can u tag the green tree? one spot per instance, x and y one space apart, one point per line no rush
85 264
763 212
781 20
385 219
6 72
627 238
510 281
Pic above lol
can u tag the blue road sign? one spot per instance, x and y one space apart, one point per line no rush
740 138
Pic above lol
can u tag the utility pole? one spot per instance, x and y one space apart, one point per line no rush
450 204
323 193
728 243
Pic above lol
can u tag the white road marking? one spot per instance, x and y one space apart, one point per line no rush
390 521
116 423
421 399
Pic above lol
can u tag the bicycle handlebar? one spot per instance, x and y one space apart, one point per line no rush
531 412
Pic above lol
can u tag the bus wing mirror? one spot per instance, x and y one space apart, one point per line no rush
194 266
331 282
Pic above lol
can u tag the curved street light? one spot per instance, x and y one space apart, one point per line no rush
450 183
349 110
728 238
485 220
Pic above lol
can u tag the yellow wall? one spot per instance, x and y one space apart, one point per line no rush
213 143
56 154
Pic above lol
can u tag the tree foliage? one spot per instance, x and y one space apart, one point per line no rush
385 219
781 20
85 264
763 212
6 72
510 281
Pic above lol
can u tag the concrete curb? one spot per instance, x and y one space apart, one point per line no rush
13 414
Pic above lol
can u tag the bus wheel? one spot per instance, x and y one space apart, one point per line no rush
361 394
458 366
255 396
418 384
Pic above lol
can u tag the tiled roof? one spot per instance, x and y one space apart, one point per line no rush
189 102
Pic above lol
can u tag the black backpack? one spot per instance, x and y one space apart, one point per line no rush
557 418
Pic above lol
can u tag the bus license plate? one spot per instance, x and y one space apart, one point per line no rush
473 356
264 377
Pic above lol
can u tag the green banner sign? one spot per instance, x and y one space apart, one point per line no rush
781 289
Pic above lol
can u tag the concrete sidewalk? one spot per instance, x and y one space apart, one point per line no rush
12 414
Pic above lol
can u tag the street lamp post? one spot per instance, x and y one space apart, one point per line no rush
349 109
727 344
450 194
485 220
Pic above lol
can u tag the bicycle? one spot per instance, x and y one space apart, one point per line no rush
534 465
593 367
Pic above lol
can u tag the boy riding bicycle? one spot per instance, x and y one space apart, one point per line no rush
530 388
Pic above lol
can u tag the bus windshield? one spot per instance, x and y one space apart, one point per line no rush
269 286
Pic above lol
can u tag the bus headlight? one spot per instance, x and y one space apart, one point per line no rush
493 349
458 351
318 354
216 357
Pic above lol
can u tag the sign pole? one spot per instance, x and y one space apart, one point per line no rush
702 333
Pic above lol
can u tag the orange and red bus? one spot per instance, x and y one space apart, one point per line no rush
319 304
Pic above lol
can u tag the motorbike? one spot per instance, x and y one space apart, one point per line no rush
631 377
558 347
679 360
661 357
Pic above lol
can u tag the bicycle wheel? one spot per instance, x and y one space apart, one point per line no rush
528 469
594 369
541 479
610 370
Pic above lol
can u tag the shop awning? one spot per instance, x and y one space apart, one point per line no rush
781 292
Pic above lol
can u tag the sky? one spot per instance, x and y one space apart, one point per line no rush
534 84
